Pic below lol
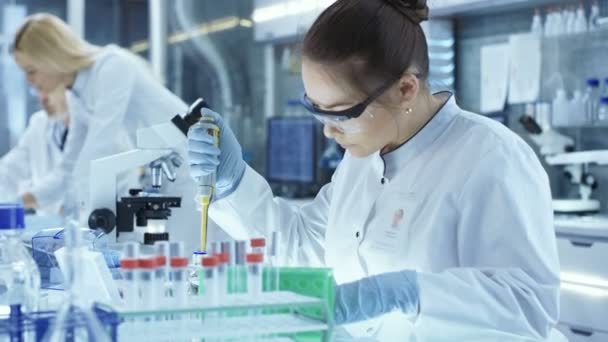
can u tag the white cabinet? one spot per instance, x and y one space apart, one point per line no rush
582 245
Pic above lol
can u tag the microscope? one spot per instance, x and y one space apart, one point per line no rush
143 215
557 150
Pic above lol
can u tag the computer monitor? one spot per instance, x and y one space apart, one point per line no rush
291 150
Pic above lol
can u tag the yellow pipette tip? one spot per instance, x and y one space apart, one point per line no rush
204 215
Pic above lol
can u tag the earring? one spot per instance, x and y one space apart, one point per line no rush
409 111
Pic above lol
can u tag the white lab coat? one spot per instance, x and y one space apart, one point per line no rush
465 203
35 155
109 102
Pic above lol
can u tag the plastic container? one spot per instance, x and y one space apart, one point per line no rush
560 109
594 15
577 115
602 113
19 275
537 24
591 99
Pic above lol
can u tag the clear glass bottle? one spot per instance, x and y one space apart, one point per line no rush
591 99
19 274
602 113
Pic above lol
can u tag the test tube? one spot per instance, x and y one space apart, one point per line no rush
255 270
226 247
240 254
214 248
178 274
162 252
148 284
222 275
130 288
208 282
273 253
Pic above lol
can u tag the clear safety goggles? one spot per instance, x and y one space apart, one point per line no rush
348 120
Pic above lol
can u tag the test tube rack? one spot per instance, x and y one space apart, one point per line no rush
301 311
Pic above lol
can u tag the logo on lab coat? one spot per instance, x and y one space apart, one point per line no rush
397 218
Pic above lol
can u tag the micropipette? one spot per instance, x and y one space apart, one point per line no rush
206 184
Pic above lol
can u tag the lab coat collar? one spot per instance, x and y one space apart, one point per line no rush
80 82
388 164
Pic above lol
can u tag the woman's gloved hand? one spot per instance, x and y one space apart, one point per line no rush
205 158
373 296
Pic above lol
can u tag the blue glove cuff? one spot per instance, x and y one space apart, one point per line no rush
377 295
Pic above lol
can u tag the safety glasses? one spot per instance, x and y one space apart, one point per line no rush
341 119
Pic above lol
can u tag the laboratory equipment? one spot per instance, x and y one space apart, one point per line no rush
19 275
149 296
576 167
560 109
33 326
569 20
580 23
591 99
602 112
240 255
141 216
594 15
291 150
206 184
537 23
254 274
557 149
549 141
62 327
305 306
208 281
129 266
222 274
178 274
163 254
273 270
576 110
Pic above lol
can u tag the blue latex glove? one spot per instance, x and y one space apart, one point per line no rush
205 157
373 296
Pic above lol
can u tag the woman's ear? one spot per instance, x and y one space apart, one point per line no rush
409 86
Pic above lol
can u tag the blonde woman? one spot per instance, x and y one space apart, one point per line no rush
109 92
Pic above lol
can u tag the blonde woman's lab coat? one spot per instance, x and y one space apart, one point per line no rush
25 166
109 102
465 203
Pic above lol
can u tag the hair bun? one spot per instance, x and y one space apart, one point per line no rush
416 11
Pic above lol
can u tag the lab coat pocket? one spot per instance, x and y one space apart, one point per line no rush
387 235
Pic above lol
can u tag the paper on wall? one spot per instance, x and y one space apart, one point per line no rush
494 77
524 68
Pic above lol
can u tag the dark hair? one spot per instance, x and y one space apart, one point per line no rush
372 41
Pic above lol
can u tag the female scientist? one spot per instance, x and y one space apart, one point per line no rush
437 223
109 92
38 151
